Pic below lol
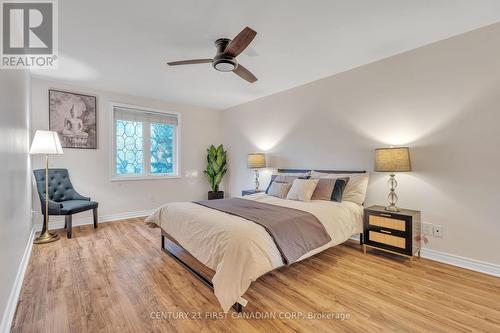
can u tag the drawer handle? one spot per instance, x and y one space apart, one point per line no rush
386 232
386 215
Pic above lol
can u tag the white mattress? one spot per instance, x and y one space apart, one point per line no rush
238 250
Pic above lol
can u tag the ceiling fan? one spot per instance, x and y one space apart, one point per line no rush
225 58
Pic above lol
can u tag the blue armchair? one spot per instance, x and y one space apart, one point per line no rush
63 199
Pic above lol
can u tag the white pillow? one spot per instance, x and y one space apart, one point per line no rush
355 190
294 174
321 175
302 189
279 190
316 174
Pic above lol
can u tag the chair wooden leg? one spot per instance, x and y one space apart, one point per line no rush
69 225
95 217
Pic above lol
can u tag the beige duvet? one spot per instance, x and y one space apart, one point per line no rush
238 250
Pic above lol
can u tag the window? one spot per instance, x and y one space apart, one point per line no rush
145 143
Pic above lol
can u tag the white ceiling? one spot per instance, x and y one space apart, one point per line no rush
122 46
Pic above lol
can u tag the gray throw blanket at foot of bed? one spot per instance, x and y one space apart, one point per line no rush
295 232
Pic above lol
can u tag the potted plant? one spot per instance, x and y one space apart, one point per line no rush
216 169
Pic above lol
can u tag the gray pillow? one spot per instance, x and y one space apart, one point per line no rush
302 189
324 189
279 189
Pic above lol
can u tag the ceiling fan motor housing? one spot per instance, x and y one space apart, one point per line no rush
222 62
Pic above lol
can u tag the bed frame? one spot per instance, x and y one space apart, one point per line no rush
170 246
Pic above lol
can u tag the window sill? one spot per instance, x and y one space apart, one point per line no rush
144 177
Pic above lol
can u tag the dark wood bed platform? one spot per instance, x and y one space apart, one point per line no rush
170 246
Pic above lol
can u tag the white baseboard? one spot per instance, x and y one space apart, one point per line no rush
454 260
11 306
472 264
57 222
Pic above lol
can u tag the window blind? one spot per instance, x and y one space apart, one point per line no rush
138 115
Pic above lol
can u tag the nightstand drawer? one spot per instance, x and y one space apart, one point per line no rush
384 237
387 222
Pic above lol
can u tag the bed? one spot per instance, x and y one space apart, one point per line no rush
228 252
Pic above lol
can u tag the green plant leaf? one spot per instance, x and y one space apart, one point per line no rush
216 165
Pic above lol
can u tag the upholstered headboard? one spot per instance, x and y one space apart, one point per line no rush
323 171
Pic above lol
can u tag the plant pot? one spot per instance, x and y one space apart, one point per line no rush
215 195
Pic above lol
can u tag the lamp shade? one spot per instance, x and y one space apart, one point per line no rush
256 161
46 142
392 159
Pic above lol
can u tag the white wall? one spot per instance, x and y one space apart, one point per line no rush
90 169
442 100
15 200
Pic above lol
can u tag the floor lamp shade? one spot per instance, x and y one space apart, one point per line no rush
47 143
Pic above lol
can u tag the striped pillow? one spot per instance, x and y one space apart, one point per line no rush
279 190
283 179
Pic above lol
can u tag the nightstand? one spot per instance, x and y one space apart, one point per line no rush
248 192
396 232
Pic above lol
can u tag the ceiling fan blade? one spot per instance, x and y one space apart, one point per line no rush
245 74
240 42
189 62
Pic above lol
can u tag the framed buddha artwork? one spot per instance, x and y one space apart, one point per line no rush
73 117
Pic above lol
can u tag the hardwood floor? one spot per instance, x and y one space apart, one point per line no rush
117 279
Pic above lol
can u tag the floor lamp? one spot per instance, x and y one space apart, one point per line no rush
46 143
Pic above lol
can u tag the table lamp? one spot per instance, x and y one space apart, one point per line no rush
256 161
392 160
46 143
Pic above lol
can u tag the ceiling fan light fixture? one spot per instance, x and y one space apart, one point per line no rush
224 66
225 57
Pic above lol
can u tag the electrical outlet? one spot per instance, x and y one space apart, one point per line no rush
437 231
427 229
